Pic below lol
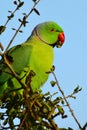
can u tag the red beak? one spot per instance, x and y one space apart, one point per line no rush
61 39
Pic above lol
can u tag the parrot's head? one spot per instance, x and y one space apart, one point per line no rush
50 33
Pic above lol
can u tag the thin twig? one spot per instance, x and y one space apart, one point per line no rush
9 18
13 38
21 26
67 103
20 126
54 125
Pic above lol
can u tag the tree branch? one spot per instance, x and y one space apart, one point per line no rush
67 103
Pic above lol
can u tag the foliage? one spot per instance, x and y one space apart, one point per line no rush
34 110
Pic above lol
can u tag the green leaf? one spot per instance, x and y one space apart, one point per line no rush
52 83
62 102
9 11
34 0
77 89
38 128
20 20
5 121
24 14
53 68
13 29
20 31
15 2
70 128
61 111
20 4
11 16
36 11
2 29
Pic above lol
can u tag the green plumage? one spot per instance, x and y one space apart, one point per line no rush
35 54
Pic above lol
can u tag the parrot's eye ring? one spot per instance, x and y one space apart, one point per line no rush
52 30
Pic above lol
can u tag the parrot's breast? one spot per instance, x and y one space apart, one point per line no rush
41 61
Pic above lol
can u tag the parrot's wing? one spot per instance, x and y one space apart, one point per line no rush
21 55
18 58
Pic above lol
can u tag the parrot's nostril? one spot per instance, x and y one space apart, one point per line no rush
61 37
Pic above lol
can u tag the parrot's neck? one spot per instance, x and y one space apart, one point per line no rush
37 38
37 35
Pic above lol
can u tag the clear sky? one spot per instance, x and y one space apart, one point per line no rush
70 60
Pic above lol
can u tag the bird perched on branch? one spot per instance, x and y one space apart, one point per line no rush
36 54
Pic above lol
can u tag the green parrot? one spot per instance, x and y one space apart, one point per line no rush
35 54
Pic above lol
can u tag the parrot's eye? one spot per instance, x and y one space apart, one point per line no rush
52 30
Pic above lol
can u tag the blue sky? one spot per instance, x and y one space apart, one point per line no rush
70 60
